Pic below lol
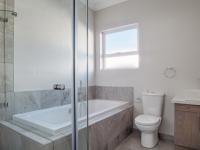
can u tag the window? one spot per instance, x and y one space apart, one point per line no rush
120 48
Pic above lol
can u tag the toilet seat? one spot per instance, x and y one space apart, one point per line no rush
147 120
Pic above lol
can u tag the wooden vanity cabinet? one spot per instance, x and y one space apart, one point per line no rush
187 126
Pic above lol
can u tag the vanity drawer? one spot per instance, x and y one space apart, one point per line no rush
190 108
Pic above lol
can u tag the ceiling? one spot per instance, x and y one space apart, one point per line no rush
101 4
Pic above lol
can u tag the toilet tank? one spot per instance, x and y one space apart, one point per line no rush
153 103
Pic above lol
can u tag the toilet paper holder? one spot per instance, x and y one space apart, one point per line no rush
170 72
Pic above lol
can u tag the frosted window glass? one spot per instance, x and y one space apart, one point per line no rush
130 61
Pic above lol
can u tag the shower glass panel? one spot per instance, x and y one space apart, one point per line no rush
81 54
2 61
43 69
43 74
6 61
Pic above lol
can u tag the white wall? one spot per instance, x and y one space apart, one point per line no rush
169 37
43 43
91 49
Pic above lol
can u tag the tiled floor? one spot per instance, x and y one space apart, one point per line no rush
133 143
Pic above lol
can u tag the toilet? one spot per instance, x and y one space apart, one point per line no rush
149 122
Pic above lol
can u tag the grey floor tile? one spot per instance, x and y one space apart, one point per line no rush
133 143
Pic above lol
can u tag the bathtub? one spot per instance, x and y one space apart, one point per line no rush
58 120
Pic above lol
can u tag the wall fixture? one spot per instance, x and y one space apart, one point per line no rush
170 72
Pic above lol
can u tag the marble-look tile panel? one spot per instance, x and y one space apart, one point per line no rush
9 43
9 140
7 33
6 112
115 93
2 98
21 102
10 4
6 78
2 60
2 113
2 78
64 143
34 100
15 138
54 98
67 97
2 4
10 109
83 139
26 101
82 94
106 134
91 92
9 77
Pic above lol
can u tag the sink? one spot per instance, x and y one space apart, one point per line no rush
191 97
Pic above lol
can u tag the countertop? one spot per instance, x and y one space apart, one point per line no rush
190 97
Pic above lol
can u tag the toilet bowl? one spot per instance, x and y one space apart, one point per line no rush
149 122
148 125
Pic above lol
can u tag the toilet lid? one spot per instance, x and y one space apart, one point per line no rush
147 120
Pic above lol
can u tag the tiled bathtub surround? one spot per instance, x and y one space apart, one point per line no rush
21 102
111 93
7 112
108 133
103 135
34 100
91 92
15 138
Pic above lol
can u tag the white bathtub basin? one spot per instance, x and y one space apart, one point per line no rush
57 120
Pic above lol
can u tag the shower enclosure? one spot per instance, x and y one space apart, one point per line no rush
44 74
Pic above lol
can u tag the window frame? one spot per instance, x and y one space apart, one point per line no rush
118 54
